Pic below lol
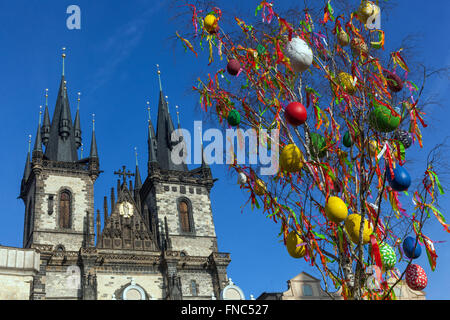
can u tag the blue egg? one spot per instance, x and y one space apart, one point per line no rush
401 180
408 248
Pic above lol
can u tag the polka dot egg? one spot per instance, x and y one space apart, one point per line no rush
416 277
388 257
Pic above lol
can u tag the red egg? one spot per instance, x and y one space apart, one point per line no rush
295 113
416 277
233 67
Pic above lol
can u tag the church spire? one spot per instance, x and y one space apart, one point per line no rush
27 170
77 126
61 144
45 130
38 141
94 153
163 136
137 175
151 139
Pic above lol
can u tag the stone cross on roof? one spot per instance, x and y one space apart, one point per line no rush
124 174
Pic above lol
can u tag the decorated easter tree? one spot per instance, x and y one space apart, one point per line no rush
347 113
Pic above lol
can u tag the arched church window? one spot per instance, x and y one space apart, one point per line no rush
184 216
65 200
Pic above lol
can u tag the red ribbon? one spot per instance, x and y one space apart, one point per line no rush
376 251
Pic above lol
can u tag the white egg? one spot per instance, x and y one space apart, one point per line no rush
300 54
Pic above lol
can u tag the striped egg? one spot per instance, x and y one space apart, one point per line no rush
416 278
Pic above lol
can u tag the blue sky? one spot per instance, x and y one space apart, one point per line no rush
111 61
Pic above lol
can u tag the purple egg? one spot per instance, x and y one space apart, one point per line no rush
233 67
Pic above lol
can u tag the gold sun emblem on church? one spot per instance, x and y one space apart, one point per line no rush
126 209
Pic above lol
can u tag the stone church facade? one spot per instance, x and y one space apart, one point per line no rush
157 239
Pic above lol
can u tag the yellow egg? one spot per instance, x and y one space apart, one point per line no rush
210 23
336 209
366 10
292 241
346 81
352 225
291 158
259 187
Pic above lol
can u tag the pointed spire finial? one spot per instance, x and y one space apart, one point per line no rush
159 77
64 58
167 101
149 115
93 122
40 116
46 97
29 143
78 100
178 117
136 155
81 151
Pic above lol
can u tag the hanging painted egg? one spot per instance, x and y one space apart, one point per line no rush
383 119
358 46
408 248
416 278
292 242
395 83
373 148
352 226
318 145
366 10
343 38
388 256
242 178
291 158
233 67
347 82
234 118
259 187
347 140
210 23
336 209
404 137
295 114
299 54
401 180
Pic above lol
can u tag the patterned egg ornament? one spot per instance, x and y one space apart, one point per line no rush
401 180
234 118
408 248
347 82
383 119
416 278
395 83
347 140
299 54
343 38
366 10
233 67
358 46
295 114
404 137
352 226
291 158
388 256
292 241
259 187
336 209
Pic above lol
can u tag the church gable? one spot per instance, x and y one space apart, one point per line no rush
125 228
